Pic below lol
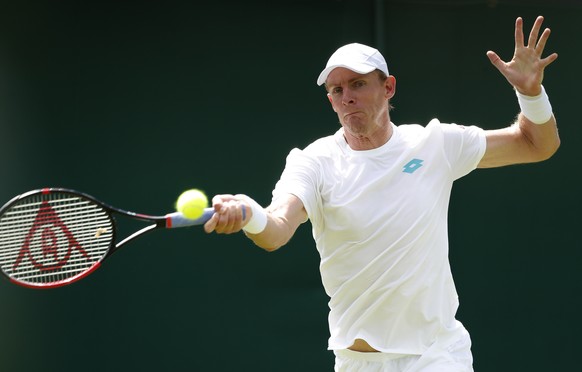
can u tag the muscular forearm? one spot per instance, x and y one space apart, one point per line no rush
276 234
542 139
522 142
283 218
268 228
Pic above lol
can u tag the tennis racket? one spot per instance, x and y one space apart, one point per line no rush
53 237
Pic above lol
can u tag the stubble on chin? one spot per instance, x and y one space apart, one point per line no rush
355 124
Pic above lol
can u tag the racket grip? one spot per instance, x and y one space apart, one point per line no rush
177 219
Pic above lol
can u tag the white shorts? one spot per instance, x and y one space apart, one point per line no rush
445 355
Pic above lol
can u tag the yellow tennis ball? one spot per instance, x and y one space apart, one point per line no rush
191 203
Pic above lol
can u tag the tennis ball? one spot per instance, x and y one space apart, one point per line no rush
191 203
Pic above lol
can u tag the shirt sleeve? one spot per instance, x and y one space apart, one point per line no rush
299 178
464 147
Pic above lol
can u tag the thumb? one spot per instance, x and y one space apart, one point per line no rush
210 225
495 60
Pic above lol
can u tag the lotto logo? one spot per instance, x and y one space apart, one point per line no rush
412 165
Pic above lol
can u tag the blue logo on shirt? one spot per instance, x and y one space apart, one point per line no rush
412 165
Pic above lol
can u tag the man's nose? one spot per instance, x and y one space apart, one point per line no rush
348 97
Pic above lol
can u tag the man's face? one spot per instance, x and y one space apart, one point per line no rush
360 101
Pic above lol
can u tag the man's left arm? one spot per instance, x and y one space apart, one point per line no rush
534 136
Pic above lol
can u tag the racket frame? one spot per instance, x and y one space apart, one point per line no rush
168 221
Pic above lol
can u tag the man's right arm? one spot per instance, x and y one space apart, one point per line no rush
284 216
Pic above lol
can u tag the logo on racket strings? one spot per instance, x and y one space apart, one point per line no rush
43 228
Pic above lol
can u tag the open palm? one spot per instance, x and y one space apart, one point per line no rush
525 71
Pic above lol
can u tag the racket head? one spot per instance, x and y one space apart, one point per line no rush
53 237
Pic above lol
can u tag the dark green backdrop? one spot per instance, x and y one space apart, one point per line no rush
133 102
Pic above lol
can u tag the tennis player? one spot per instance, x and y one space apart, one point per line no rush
377 196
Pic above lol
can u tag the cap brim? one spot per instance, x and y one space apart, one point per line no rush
358 68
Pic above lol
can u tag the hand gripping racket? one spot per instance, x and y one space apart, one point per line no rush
54 237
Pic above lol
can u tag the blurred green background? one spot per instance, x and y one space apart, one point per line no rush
135 101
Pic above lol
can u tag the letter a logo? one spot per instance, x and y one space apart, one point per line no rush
47 231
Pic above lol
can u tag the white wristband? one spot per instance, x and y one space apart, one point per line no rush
258 221
536 109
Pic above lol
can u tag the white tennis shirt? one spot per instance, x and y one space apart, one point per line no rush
379 220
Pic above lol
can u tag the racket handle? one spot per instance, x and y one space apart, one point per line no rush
177 219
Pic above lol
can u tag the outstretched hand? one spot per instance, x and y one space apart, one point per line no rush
231 214
525 71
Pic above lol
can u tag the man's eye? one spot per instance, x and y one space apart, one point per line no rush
336 90
359 83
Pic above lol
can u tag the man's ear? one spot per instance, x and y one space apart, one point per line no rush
330 101
390 85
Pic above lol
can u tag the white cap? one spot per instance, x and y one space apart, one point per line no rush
356 57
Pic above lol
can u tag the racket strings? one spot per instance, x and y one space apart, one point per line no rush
48 238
